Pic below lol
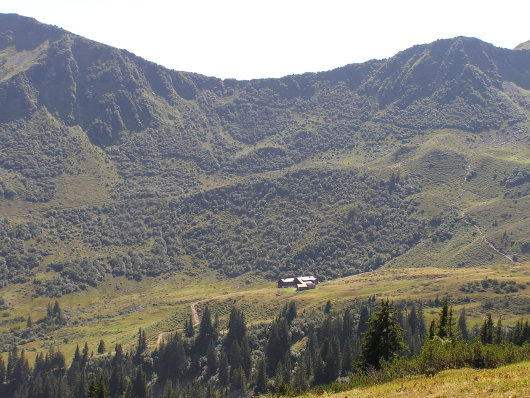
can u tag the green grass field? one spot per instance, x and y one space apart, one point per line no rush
119 307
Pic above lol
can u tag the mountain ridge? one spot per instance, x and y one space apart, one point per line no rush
335 172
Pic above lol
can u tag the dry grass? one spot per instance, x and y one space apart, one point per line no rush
507 381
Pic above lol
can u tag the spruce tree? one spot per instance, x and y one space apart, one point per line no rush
363 319
246 359
236 328
224 372
140 384
211 359
383 337
443 322
189 330
84 359
2 370
462 325
261 378
207 333
486 332
498 334
101 347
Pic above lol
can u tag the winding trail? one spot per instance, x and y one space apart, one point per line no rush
194 313
483 236
161 337
466 218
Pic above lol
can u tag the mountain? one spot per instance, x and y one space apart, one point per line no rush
523 46
113 165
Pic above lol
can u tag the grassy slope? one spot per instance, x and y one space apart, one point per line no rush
119 307
506 381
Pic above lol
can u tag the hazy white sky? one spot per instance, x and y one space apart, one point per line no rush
272 38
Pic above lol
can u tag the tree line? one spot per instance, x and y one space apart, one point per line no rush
365 343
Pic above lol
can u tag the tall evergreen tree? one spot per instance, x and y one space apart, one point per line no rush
261 378
291 312
101 347
486 331
84 359
211 359
277 345
363 320
189 330
139 387
224 372
383 337
462 325
141 346
2 370
207 333
246 359
498 333
443 322
347 326
236 328
235 355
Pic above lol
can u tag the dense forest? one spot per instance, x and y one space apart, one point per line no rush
296 352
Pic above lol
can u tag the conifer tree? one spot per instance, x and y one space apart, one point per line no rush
140 384
207 333
101 347
12 359
236 328
235 355
291 312
383 337
462 325
347 326
189 330
261 378
347 357
224 372
246 359
498 335
211 359
2 370
443 322
300 375
363 319
142 344
486 332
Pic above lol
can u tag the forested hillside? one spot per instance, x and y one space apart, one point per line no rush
113 165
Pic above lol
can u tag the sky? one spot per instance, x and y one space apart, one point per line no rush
271 38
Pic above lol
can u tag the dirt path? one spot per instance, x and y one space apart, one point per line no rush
486 241
194 314
161 337
464 216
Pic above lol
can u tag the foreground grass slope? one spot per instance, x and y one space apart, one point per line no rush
506 381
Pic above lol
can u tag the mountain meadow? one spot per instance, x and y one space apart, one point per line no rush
147 214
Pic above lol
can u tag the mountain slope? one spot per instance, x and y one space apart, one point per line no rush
113 165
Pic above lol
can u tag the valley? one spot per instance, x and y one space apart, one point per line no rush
135 199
